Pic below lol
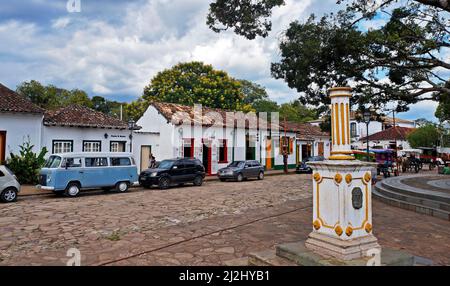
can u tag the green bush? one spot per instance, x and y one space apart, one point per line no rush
27 165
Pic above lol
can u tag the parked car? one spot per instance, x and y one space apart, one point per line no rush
9 186
173 172
303 168
240 170
72 172
315 159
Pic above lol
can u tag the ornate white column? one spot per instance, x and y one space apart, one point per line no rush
342 193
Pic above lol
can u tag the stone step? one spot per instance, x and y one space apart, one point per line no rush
268 258
395 185
413 199
411 206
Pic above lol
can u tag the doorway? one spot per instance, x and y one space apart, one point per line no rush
321 149
2 146
206 156
145 157
306 151
250 148
269 156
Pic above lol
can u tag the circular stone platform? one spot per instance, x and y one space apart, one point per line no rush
427 194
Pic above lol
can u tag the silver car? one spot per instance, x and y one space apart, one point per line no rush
9 186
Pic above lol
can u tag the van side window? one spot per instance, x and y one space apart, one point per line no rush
1 174
96 162
120 162
71 163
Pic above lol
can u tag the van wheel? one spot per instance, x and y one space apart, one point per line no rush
164 183
198 181
261 176
240 178
72 190
122 187
9 195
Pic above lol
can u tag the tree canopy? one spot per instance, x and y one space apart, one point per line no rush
398 62
196 83
426 136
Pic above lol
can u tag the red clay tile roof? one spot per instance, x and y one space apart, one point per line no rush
393 133
80 116
177 114
304 131
11 101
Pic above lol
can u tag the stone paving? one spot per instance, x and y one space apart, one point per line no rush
209 225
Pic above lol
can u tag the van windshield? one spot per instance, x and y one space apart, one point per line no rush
166 164
53 162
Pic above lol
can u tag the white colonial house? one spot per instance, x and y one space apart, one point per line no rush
217 137
70 129
358 129
392 138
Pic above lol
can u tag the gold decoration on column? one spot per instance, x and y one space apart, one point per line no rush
338 230
368 228
338 178
349 231
316 224
340 122
367 177
348 178
317 177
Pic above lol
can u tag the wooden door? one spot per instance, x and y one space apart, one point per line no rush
269 154
321 149
2 146
145 157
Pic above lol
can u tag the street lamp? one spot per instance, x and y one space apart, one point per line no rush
131 127
366 117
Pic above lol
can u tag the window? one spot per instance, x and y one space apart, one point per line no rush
117 146
120 162
1 174
96 162
71 163
92 146
53 162
62 146
353 129
223 151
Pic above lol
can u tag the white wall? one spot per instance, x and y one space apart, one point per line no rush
19 128
51 133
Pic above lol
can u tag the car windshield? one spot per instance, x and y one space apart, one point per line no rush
53 162
166 165
238 164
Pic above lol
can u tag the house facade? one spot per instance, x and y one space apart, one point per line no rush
70 129
394 137
217 137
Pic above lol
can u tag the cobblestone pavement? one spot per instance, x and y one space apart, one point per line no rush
190 226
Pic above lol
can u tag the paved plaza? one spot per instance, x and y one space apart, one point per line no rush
208 225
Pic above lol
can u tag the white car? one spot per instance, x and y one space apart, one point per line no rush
9 186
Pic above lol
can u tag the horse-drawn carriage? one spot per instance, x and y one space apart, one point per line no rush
386 162
409 160
431 157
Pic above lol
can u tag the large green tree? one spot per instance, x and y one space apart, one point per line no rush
253 92
196 83
426 136
335 50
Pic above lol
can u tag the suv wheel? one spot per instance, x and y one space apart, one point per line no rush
240 178
198 181
122 187
9 195
72 190
164 183
261 176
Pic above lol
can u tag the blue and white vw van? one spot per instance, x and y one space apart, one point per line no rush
72 172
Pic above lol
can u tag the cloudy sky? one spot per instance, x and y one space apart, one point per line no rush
113 48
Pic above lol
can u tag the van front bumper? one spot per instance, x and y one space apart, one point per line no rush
45 188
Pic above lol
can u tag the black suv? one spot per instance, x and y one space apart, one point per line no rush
240 170
173 172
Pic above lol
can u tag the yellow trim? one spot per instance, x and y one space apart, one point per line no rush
341 157
347 112
333 128
336 123
341 152
343 127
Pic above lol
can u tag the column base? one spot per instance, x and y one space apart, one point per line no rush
331 247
